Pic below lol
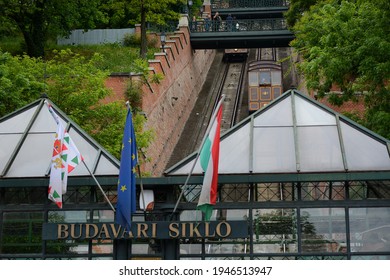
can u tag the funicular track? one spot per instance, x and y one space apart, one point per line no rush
228 79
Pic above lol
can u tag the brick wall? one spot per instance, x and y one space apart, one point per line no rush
169 104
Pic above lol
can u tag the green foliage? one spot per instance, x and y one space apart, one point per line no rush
21 81
346 43
296 10
157 12
134 40
76 85
39 20
134 94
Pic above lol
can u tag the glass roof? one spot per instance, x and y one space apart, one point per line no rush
27 136
296 134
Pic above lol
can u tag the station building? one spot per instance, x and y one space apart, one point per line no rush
296 181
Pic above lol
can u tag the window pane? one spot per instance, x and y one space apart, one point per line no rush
370 229
323 230
21 233
276 77
265 78
325 155
274 230
253 79
274 149
253 96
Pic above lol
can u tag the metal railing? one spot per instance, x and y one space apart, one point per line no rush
229 4
238 25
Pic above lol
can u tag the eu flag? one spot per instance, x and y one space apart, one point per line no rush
126 201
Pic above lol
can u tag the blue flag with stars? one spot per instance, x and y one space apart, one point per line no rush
126 201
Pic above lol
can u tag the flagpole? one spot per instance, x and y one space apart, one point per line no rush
142 189
139 172
198 154
100 187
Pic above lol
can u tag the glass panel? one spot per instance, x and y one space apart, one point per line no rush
234 192
235 148
253 79
373 257
229 245
190 246
319 149
370 229
254 106
323 230
20 196
276 77
276 92
103 216
273 150
279 115
309 114
315 191
106 167
18 123
263 104
253 96
274 231
378 189
364 152
275 192
149 247
78 195
357 190
34 157
21 233
45 122
268 192
69 216
265 78
265 93
10 141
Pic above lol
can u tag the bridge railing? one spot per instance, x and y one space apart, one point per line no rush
229 4
238 25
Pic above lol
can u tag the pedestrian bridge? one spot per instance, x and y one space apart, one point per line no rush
251 24
240 33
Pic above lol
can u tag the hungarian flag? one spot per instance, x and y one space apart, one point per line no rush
209 159
65 158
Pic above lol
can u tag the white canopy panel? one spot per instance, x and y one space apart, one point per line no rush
27 138
296 134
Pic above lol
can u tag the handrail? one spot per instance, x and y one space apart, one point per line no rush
238 25
228 4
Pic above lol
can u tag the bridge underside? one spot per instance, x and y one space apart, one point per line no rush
233 40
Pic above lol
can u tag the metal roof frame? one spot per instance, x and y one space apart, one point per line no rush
345 175
47 131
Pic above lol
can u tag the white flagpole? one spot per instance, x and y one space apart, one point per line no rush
100 187
198 153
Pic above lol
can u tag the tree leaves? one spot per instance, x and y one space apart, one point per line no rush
346 44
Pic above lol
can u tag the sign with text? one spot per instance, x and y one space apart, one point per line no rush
146 230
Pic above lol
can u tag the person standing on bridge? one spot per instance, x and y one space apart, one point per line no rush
217 21
229 23
207 23
194 24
